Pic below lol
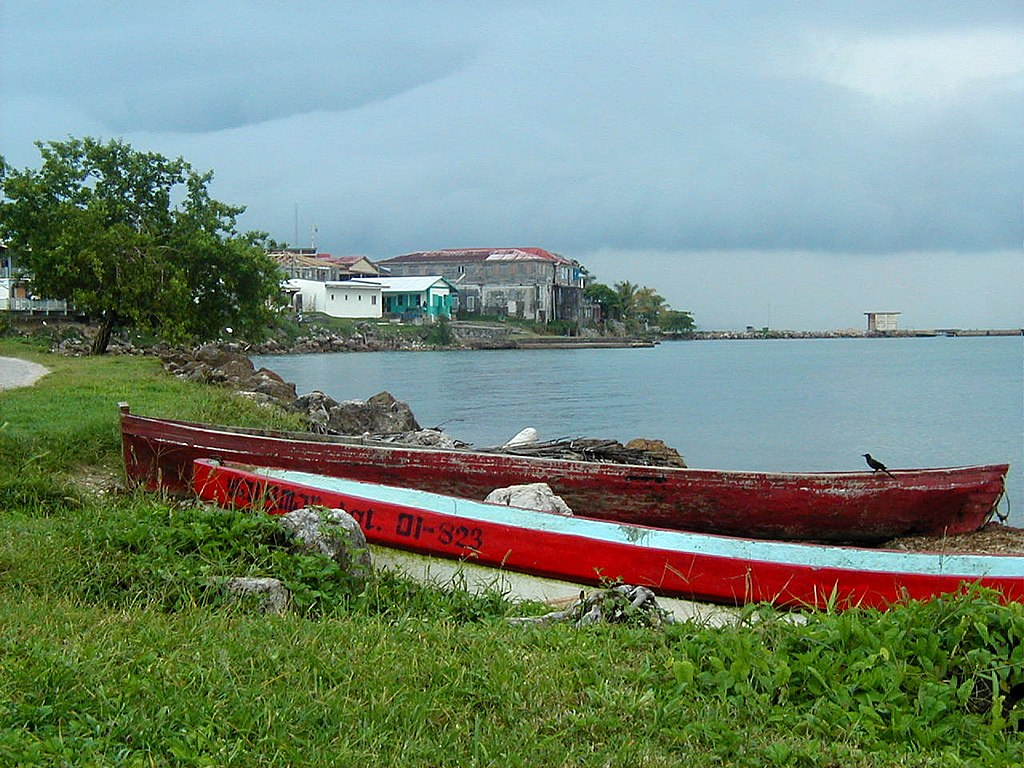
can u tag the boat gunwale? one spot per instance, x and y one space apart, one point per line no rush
358 441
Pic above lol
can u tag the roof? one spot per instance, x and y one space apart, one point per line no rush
315 259
478 254
405 284
347 260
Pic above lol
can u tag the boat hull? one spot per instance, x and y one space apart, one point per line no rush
702 567
850 507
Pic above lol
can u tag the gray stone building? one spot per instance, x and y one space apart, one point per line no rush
529 283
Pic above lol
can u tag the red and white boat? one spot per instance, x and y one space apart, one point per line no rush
696 566
849 507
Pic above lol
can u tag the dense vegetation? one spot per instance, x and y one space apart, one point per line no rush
134 239
638 307
115 650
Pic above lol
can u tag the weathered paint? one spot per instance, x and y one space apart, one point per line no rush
851 507
692 565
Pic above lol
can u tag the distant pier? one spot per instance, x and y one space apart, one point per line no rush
763 333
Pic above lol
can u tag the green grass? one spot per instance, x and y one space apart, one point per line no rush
117 647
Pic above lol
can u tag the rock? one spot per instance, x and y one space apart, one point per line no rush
382 414
312 402
215 356
526 436
271 594
667 457
335 534
536 496
270 383
316 407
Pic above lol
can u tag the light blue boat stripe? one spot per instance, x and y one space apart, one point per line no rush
683 542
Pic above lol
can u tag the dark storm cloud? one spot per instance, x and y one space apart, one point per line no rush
198 67
847 128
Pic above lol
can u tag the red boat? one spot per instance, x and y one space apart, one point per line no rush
851 507
697 566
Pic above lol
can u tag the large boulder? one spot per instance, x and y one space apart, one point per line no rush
316 407
335 534
382 414
269 383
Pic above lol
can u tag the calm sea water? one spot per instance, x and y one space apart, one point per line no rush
815 404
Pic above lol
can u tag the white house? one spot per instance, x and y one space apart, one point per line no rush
345 298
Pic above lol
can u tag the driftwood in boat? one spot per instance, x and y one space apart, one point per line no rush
589 449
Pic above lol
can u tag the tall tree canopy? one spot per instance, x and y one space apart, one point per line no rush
134 239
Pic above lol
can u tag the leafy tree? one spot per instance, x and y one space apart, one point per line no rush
134 239
606 298
675 321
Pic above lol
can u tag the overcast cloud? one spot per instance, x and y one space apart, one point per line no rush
783 164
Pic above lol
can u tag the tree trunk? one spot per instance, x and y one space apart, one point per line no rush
102 340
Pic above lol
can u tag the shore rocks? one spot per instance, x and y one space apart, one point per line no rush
381 414
228 367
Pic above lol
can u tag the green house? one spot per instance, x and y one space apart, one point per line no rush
415 298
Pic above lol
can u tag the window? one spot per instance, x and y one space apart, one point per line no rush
373 300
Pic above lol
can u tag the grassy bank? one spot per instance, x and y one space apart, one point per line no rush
115 648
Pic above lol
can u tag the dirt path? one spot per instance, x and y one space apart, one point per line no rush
15 372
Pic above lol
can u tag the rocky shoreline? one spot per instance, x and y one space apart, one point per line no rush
71 338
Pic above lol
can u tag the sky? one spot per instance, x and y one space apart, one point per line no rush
785 164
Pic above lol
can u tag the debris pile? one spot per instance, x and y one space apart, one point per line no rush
990 539
622 604
652 453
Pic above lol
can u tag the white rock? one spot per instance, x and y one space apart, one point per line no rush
524 437
272 594
536 496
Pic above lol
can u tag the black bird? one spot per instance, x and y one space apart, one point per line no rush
877 466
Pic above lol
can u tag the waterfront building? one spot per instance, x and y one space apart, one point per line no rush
354 298
308 264
414 299
527 283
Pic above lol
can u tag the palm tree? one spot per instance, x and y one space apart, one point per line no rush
627 298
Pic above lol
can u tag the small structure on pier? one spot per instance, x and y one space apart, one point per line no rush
882 322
